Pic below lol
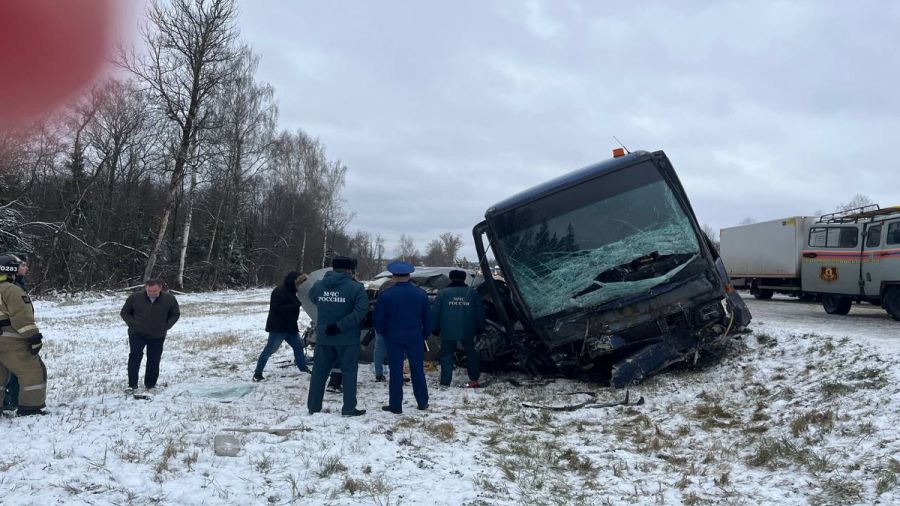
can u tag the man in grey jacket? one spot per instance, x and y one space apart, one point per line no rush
149 314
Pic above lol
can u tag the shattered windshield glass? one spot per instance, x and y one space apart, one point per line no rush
614 236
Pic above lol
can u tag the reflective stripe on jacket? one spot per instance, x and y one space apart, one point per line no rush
16 307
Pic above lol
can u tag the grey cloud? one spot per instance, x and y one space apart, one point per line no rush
767 109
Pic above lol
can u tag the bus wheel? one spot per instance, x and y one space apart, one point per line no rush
892 302
836 304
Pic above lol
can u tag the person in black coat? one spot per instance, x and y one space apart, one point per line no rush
281 324
149 313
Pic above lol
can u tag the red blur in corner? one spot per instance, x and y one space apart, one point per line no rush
50 50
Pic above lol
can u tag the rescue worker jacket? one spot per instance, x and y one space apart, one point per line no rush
150 319
284 306
403 313
16 311
339 300
457 312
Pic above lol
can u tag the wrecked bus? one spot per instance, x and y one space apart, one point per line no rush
606 271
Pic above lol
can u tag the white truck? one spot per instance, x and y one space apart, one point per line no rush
765 257
838 258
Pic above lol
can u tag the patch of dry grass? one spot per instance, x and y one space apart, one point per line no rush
213 341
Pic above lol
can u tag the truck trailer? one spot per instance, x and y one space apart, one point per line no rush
765 257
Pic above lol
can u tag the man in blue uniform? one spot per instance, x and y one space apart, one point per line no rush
403 317
342 304
458 316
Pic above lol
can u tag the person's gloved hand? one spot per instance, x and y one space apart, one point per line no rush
35 343
332 329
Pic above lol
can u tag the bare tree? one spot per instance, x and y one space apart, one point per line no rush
858 200
434 253
243 118
190 50
407 251
334 218
747 221
451 243
712 234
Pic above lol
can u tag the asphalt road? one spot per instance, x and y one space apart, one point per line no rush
865 323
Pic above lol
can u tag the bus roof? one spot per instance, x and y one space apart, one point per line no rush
567 181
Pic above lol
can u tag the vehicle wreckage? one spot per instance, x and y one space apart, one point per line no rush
604 273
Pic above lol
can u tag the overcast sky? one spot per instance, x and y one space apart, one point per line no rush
766 109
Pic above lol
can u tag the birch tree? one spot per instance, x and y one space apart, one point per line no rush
190 50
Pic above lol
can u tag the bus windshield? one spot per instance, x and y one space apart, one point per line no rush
614 236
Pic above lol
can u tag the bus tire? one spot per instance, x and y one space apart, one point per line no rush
836 304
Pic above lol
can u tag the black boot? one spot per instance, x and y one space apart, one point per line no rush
31 411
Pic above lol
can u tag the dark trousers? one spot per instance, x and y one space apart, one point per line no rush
448 348
11 401
415 352
275 340
327 357
154 353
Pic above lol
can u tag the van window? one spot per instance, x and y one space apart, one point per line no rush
834 237
873 237
893 235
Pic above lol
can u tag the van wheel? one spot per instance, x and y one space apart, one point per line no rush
836 304
892 302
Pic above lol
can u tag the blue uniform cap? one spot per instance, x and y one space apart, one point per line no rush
399 268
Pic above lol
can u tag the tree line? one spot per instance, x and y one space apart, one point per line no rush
176 169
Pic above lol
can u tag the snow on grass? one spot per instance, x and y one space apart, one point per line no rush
786 416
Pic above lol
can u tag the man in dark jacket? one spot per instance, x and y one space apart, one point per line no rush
284 309
403 317
149 314
458 316
341 305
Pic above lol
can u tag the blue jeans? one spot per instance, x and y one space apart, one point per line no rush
275 340
379 354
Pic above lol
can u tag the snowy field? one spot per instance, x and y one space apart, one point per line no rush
805 410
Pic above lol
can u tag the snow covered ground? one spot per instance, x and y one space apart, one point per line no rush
804 410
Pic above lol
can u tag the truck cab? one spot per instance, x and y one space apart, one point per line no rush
607 268
854 256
